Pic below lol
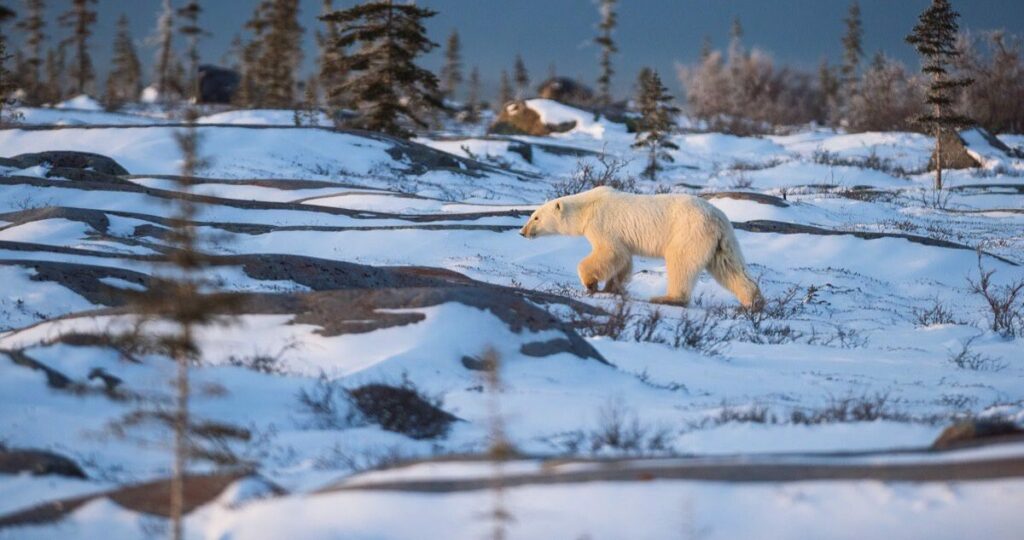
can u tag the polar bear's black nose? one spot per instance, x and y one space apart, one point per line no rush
521 233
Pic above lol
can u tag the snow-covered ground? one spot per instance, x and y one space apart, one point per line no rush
850 247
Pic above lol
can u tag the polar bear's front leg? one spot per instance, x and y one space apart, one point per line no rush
601 265
617 283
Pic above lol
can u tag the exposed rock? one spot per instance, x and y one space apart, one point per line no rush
747 196
566 90
38 462
517 118
975 432
971 148
151 498
217 84
67 159
402 410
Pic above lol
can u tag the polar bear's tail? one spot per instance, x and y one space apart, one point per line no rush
730 270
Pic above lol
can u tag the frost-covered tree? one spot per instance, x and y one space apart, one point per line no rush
124 82
657 121
521 76
451 71
995 63
608 48
190 29
887 98
505 92
934 36
164 40
34 27
80 18
328 60
384 82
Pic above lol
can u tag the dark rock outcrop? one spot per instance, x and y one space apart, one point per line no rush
566 90
67 159
217 84
38 462
517 118
978 432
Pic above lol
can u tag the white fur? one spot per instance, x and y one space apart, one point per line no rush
690 234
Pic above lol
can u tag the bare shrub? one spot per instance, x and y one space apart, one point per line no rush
608 171
645 328
886 99
1005 303
701 333
612 325
935 314
263 362
968 359
326 404
937 199
863 408
763 322
619 431
729 414
338 457
741 181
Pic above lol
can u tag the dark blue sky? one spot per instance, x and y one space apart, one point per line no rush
658 33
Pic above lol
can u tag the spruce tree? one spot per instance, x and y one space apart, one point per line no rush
383 80
331 76
6 85
657 121
273 55
853 49
6 14
604 40
451 72
80 18
55 67
934 37
522 77
164 39
505 92
124 82
473 99
189 15
34 26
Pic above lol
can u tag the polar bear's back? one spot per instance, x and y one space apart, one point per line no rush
646 223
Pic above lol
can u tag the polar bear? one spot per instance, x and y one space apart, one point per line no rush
688 232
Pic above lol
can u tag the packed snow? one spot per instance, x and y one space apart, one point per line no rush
858 253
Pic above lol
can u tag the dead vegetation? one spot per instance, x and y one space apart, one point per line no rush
1005 303
607 171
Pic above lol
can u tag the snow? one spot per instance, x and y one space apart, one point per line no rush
854 315
81 103
262 117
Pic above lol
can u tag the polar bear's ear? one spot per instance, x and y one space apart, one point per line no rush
558 205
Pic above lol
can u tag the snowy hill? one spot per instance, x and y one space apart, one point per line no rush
367 261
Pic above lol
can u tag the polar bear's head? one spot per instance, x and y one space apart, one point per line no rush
551 218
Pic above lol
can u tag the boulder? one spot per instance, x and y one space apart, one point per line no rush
971 148
517 118
977 432
566 90
217 84
38 462
67 159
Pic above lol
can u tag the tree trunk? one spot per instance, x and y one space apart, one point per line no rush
181 422
938 150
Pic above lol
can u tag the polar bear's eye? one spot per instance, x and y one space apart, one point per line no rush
536 218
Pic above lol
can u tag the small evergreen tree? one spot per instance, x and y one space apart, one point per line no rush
328 60
80 19
273 56
473 99
6 85
6 14
522 78
505 92
55 83
34 26
853 49
604 40
934 37
164 39
830 87
451 72
384 81
124 82
189 14
657 121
